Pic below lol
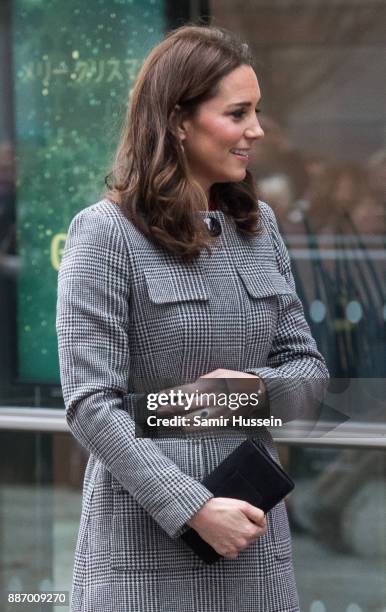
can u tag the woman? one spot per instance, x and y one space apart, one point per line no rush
156 292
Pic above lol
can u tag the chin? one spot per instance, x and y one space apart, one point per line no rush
240 177
235 177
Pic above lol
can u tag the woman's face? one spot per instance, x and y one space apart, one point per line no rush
221 125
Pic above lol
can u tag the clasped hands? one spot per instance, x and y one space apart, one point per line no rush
220 381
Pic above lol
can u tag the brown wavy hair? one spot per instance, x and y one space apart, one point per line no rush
150 178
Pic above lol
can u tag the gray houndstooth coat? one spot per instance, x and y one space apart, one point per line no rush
129 313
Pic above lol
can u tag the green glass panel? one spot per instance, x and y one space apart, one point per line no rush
74 66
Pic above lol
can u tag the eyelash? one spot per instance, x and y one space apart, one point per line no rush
239 114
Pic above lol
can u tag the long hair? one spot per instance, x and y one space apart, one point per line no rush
150 178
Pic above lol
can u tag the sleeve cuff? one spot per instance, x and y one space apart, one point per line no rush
280 392
174 516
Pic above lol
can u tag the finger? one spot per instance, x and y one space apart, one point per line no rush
213 394
254 514
192 396
261 530
219 373
209 412
182 397
165 409
169 410
231 555
211 384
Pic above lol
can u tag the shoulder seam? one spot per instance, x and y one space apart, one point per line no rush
111 222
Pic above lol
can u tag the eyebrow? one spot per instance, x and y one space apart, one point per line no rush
243 103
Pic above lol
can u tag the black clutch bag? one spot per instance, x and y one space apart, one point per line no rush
250 474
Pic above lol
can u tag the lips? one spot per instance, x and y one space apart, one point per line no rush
241 152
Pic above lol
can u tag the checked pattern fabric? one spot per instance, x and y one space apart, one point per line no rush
130 318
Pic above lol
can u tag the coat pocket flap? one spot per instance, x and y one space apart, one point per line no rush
164 288
264 284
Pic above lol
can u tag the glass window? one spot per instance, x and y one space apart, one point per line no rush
66 70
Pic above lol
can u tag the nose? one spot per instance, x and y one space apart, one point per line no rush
255 131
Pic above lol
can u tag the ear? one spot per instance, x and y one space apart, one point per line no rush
178 123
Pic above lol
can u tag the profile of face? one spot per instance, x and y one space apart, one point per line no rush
218 140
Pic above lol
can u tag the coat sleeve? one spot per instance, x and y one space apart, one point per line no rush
295 375
92 322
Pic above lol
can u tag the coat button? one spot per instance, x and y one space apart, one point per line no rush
213 226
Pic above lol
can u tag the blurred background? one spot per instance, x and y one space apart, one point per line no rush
66 71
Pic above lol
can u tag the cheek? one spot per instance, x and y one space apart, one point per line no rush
230 133
222 132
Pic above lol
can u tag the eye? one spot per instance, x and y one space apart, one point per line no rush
240 113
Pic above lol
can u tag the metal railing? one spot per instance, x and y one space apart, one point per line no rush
351 434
